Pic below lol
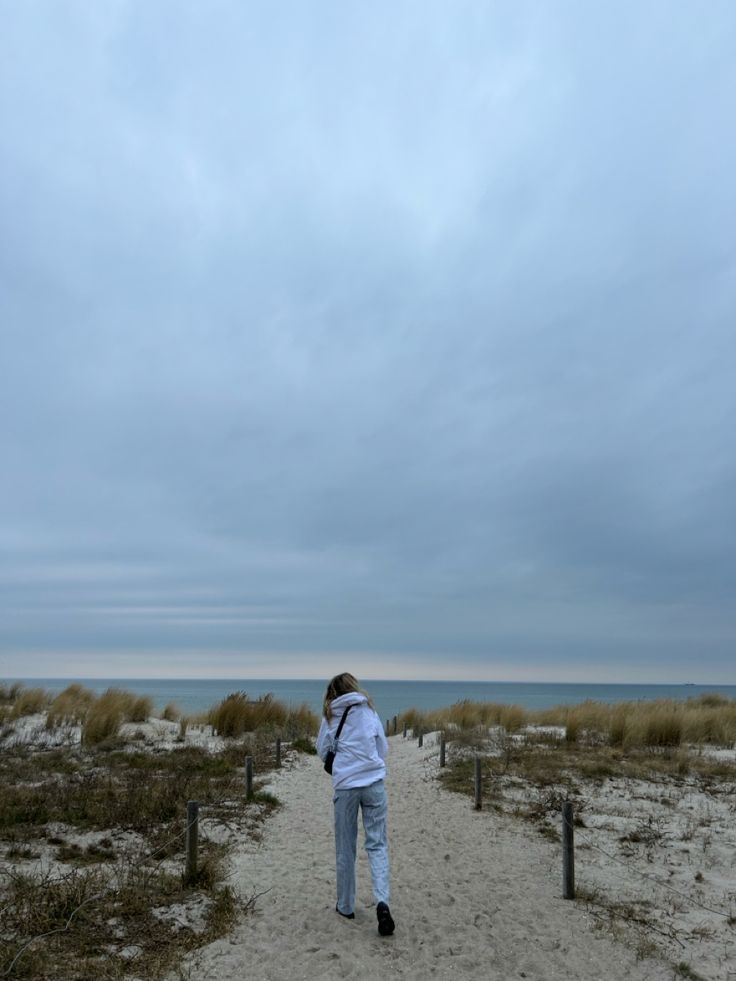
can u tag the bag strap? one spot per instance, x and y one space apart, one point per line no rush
342 721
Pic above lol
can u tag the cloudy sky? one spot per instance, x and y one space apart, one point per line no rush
395 336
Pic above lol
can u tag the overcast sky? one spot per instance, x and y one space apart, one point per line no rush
395 337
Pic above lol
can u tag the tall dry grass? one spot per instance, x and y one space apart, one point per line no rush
29 701
70 707
465 715
101 716
236 714
657 724
108 712
171 713
709 718
9 693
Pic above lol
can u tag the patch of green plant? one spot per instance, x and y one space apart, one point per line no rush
683 970
266 797
303 744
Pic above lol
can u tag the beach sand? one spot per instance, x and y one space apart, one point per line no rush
474 894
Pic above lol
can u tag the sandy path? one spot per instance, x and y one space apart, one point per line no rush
475 895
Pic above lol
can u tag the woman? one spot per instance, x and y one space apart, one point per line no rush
358 770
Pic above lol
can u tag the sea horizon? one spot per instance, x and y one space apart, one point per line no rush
390 697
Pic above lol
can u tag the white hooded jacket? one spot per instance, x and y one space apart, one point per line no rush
362 748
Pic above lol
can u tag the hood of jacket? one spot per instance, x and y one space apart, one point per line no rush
340 703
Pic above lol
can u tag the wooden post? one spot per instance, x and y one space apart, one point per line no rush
478 785
396 724
278 751
248 777
388 730
442 749
568 852
405 730
192 840
420 741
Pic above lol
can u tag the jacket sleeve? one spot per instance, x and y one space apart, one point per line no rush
323 740
381 741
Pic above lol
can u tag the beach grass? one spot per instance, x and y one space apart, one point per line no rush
708 719
236 714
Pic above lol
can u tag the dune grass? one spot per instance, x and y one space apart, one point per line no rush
237 714
106 714
707 719
70 707
28 701
171 713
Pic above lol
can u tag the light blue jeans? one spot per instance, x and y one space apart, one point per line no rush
372 802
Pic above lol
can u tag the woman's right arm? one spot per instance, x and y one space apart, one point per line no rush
381 741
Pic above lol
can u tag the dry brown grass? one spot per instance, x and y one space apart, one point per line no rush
107 713
70 707
171 713
466 715
9 693
237 714
29 701
708 719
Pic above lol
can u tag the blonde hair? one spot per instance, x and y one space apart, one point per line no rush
341 684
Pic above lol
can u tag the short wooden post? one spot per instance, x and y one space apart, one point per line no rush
405 730
192 840
442 749
478 785
420 741
278 751
396 724
568 852
248 777
388 729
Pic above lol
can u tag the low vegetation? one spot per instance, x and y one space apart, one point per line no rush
93 833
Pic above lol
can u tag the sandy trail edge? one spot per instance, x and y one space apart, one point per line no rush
474 895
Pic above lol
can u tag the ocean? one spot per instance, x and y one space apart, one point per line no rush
389 697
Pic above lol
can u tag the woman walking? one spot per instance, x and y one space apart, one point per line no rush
352 731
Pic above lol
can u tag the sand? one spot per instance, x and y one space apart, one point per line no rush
475 895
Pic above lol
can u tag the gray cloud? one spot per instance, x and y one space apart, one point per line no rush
404 333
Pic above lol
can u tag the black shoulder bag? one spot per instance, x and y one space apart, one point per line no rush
330 758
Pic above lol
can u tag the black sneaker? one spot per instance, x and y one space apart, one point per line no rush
348 916
386 924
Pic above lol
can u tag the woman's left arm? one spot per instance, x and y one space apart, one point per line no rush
323 740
